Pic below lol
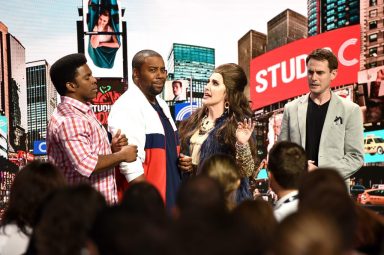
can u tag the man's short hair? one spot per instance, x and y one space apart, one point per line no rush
322 55
179 82
65 69
139 58
288 163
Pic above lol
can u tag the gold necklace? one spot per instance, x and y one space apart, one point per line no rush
206 125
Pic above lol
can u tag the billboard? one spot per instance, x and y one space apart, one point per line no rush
3 125
39 147
184 110
345 92
102 37
175 90
370 94
374 146
109 90
281 73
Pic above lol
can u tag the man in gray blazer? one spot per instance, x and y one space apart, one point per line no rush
329 127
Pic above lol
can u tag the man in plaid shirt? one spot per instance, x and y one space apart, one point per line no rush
76 141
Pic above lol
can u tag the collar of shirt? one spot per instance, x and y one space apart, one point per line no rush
86 108
292 196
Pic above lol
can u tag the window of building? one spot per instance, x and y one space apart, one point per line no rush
341 23
330 6
372 52
331 26
354 19
371 65
373 24
341 8
331 12
331 19
372 2
353 4
372 37
373 13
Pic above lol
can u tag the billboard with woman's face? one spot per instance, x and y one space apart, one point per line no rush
102 37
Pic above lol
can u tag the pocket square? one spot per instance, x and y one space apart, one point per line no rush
338 120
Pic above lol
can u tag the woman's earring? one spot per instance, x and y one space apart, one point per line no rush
226 107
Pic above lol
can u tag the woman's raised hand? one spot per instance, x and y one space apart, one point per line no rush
244 130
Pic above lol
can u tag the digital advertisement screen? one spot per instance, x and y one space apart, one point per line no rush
374 146
371 94
175 90
109 91
102 39
281 74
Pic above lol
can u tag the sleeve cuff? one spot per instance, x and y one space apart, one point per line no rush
131 170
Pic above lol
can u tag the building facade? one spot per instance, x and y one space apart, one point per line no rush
4 111
251 45
372 31
193 63
286 27
17 94
326 15
10 78
41 100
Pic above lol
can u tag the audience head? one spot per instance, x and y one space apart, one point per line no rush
287 163
115 232
66 220
324 191
222 168
201 197
31 187
144 199
259 229
307 233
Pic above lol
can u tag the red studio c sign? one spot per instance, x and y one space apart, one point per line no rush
281 73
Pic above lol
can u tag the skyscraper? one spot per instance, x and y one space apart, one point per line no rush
190 62
41 100
372 29
4 111
286 27
17 91
326 15
251 45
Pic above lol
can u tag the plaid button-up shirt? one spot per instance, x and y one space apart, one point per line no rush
75 138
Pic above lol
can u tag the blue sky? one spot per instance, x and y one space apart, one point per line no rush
47 28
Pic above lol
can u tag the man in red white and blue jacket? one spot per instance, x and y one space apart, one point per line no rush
146 121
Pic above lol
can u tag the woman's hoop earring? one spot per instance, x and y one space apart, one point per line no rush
226 107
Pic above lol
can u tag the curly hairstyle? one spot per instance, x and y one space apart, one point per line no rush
235 81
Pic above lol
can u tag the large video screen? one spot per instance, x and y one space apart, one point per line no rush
175 90
109 91
374 146
281 74
370 94
102 37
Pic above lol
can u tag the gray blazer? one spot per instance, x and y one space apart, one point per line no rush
342 140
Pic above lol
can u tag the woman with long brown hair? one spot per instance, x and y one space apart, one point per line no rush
222 125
